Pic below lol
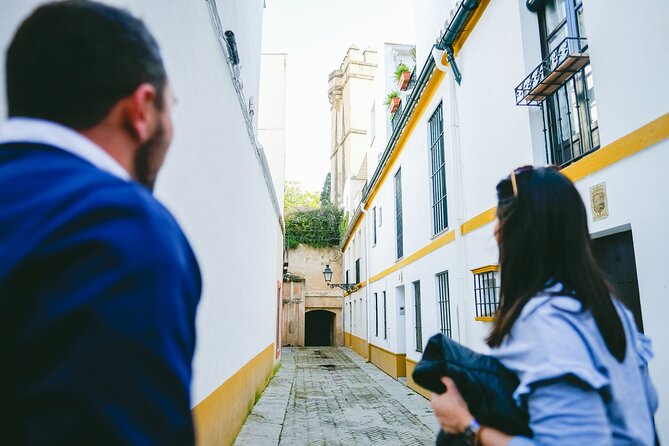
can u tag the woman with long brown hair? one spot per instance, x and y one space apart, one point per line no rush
581 362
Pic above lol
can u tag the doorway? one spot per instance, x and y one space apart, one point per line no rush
615 255
318 328
401 319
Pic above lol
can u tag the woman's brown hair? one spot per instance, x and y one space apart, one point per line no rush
543 238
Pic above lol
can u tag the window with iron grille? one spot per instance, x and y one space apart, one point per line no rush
417 316
350 317
357 271
374 226
347 277
385 318
571 126
444 302
486 291
438 171
399 242
376 314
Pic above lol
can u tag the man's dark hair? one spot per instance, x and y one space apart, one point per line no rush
71 61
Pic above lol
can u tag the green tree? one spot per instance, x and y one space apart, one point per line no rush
297 199
325 193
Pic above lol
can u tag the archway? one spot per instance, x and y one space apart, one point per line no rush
318 328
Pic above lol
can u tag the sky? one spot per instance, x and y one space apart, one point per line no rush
316 34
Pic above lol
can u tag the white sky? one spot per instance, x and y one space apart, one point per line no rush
316 34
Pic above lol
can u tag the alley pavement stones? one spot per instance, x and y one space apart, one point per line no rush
331 396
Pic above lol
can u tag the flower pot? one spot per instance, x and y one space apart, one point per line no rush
403 83
394 104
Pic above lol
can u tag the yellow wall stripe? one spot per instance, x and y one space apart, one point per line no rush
640 139
394 364
434 245
644 137
486 269
480 220
219 417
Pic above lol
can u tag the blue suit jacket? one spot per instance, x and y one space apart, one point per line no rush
98 293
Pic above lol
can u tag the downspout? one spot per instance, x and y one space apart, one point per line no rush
462 16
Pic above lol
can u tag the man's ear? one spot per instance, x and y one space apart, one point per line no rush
140 112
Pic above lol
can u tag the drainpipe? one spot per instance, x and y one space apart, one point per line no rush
462 16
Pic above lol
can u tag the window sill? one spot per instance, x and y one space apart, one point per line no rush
440 233
485 319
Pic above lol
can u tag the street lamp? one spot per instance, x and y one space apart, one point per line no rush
327 275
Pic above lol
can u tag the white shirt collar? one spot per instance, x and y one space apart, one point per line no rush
39 131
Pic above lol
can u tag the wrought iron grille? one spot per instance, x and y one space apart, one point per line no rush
376 314
444 304
438 171
486 294
357 271
398 215
417 315
571 127
557 68
385 317
395 117
412 79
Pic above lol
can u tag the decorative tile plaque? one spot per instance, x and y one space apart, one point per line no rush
599 201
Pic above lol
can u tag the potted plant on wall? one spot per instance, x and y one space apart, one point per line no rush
402 76
393 101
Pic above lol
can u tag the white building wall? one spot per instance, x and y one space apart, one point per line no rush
236 236
271 111
487 135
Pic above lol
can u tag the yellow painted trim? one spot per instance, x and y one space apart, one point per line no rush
642 138
219 417
417 114
431 247
393 364
347 339
410 366
355 228
360 346
484 319
636 141
479 221
360 286
486 269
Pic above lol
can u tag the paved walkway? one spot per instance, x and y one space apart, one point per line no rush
331 396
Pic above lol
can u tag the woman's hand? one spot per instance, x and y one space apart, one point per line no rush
450 409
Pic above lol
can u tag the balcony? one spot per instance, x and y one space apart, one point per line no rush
395 117
553 72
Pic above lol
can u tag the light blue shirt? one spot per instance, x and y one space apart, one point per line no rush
576 392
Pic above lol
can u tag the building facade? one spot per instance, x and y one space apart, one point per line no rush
312 311
349 92
536 82
217 182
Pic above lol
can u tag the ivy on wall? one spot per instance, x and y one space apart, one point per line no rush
317 225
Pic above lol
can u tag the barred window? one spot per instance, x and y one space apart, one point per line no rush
398 215
417 315
444 304
486 291
438 171
376 314
385 318
357 271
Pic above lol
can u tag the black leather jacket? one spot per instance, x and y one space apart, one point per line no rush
484 383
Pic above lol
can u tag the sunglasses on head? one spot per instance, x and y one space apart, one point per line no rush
512 176
517 171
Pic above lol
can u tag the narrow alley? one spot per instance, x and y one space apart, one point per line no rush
331 396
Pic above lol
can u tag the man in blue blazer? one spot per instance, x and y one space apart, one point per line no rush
98 284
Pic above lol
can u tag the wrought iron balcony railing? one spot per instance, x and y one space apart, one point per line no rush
556 69
395 118
412 80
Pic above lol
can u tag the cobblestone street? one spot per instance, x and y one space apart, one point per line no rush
331 396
